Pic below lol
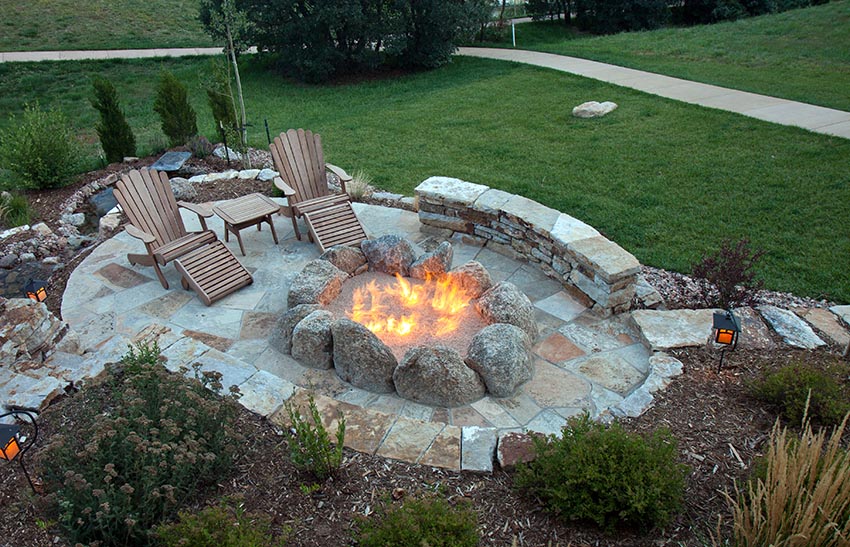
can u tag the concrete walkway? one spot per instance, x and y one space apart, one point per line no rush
818 119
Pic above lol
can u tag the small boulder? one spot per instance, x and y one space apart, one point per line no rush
437 376
435 263
183 189
499 353
593 109
281 337
361 359
346 258
473 278
318 283
266 175
504 303
312 344
8 260
390 254
74 219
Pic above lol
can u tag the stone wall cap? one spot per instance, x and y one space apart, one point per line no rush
492 201
450 190
610 261
568 229
540 217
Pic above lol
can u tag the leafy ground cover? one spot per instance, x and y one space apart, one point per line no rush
802 55
45 25
667 181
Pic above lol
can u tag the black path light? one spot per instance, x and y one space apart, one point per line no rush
10 439
726 331
36 289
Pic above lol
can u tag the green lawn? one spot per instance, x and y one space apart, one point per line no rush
802 55
667 181
43 25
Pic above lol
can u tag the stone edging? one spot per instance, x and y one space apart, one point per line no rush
564 248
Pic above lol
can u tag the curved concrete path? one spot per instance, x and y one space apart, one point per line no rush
582 362
818 119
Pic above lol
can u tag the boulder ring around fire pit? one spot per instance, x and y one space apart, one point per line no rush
445 364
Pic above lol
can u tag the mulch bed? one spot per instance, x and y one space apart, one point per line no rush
720 429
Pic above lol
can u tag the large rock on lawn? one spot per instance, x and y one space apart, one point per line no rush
437 376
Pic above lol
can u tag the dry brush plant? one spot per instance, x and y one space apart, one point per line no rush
803 500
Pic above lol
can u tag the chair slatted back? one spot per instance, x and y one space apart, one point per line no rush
148 201
299 159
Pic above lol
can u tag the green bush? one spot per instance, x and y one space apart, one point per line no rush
40 148
219 526
14 210
116 136
141 449
178 118
790 387
430 522
310 448
220 97
319 40
610 16
606 475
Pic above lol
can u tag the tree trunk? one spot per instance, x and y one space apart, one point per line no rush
243 129
502 12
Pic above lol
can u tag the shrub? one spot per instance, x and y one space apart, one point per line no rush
359 186
200 146
804 496
14 210
430 521
150 442
727 278
797 385
606 475
178 118
219 526
116 136
40 148
319 40
310 448
220 97
610 16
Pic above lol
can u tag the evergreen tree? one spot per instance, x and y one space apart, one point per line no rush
116 135
179 121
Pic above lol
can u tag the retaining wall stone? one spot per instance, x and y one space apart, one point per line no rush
563 247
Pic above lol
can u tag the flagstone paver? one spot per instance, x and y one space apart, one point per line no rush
663 329
827 323
793 330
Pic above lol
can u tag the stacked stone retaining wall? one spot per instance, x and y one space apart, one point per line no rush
563 247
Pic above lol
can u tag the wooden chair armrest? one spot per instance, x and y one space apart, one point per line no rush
338 171
196 208
283 187
132 231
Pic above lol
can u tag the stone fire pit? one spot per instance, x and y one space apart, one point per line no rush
497 359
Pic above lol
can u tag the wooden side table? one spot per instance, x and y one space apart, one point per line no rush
250 210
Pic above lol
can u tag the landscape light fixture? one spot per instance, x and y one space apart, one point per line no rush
726 330
36 290
10 440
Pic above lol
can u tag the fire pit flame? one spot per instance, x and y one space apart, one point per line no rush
378 309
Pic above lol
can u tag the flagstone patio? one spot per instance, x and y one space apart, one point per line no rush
582 362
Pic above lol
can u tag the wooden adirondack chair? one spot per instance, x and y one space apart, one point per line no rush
147 199
299 159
